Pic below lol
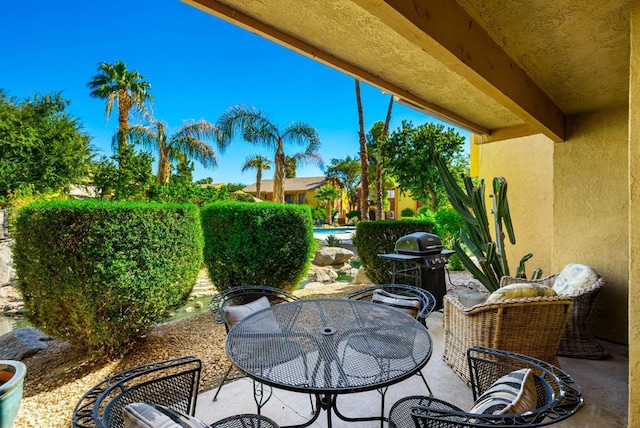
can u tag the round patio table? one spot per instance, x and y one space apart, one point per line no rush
329 347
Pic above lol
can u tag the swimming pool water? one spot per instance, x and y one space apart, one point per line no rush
333 230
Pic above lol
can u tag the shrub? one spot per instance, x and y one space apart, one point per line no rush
259 244
100 274
333 241
406 212
379 237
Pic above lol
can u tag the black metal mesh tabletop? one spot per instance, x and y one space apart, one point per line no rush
330 346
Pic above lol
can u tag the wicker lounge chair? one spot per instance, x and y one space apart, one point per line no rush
577 341
530 325
555 397
172 384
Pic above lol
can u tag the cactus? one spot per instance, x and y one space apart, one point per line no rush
491 255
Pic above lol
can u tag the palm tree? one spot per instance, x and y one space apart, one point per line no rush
190 141
260 163
115 84
364 161
328 194
379 169
256 128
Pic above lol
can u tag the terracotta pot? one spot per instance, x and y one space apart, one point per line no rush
11 382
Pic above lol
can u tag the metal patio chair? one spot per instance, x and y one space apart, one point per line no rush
554 397
171 383
222 306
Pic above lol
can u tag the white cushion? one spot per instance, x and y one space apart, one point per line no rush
407 304
574 278
513 393
144 415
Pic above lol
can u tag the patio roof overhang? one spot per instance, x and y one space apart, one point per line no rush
500 69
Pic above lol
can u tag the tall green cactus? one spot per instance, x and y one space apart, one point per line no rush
476 236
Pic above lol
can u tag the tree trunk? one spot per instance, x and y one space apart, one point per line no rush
434 199
164 166
258 180
279 175
123 122
364 159
383 137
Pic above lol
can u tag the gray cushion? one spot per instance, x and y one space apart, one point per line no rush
144 415
236 313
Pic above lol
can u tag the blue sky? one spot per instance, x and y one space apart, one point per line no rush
198 66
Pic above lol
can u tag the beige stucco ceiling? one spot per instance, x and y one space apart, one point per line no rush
498 67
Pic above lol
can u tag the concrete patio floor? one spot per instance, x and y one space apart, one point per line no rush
604 385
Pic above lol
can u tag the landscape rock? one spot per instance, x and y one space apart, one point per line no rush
329 256
22 342
361 277
7 270
321 274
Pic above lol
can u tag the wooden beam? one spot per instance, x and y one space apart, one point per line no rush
444 30
508 133
243 20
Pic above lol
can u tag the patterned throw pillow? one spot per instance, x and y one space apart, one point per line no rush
512 393
407 304
514 291
574 278
143 415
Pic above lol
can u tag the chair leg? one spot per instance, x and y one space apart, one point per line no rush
426 384
222 381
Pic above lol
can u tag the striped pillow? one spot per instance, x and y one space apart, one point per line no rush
407 304
144 415
512 393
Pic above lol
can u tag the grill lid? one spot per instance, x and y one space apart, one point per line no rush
419 243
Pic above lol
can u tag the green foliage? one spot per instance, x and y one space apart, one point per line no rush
318 213
333 241
353 215
347 171
409 155
476 236
125 176
101 274
328 194
41 145
262 244
406 212
379 237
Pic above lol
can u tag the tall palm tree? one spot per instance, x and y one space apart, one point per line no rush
256 128
328 194
364 160
260 163
190 140
128 89
379 169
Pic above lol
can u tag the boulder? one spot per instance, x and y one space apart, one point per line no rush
329 256
21 343
361 277
7 271
321 274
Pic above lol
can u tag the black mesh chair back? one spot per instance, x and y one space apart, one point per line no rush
558 395
170 383
242 295
427 300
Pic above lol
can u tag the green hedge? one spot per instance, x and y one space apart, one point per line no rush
379 237
101 274
258 244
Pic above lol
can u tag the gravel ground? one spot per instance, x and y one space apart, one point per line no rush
58 376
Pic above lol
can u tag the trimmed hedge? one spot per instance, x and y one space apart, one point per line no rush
379 237
100 274
257 244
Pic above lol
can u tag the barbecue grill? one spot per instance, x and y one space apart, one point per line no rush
424 259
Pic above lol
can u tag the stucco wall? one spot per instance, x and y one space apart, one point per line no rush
591 217
527 165
634 220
